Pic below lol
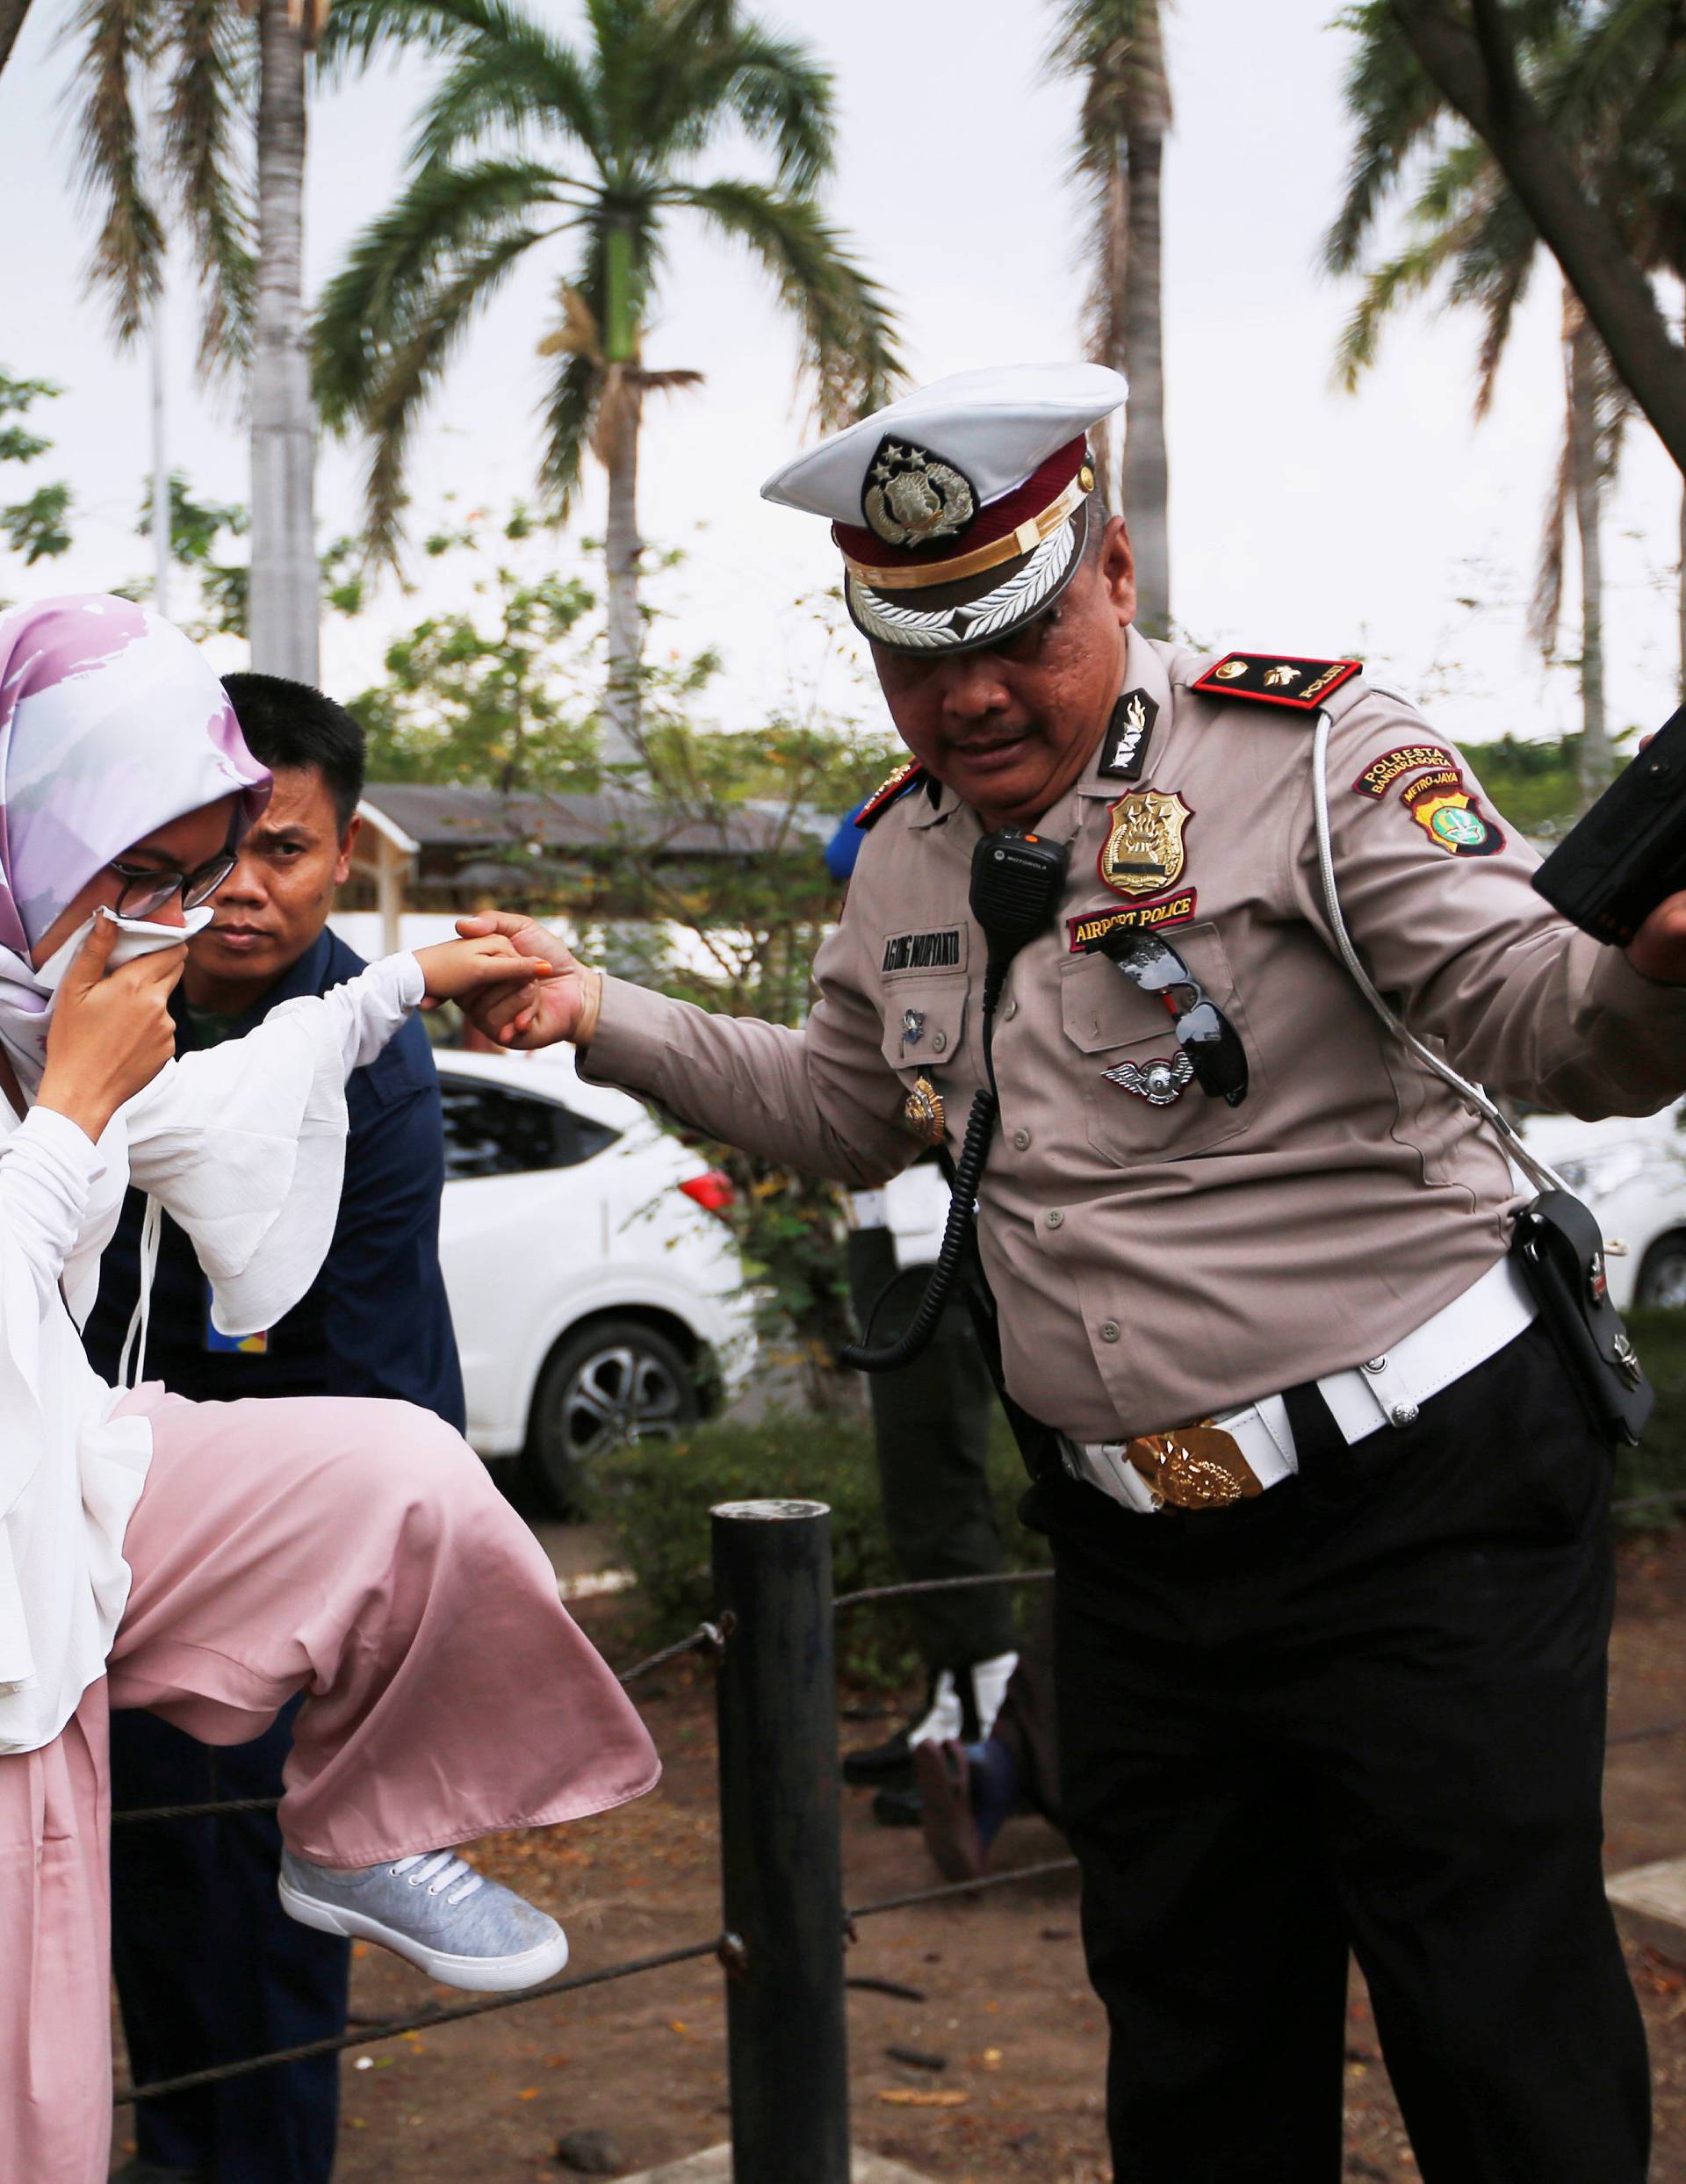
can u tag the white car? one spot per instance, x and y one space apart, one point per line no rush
597 1294
1632 1172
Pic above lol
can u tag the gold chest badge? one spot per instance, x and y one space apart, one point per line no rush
1144 853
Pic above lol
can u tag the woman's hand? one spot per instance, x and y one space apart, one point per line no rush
454 970
112 1032
556 1009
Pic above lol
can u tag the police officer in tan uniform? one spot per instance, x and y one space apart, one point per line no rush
1329 1519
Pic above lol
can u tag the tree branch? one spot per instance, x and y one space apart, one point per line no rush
1474 71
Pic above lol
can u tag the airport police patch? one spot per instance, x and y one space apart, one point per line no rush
1277 679
1085 931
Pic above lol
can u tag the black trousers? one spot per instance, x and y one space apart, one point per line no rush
931 1429
210 1968
1364 1711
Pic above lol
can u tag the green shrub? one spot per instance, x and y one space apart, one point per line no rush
1658 1466
657 1496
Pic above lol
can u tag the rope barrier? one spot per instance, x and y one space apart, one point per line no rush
964 1888
366 2035
938 1584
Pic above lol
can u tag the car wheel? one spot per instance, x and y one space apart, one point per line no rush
615 1383
1662 1278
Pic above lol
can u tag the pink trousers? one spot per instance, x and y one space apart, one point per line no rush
353 1550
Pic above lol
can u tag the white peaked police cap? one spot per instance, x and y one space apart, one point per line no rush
961 509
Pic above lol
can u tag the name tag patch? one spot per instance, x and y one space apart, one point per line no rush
1094 925
923 951
1380 774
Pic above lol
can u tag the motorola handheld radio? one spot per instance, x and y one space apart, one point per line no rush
1017 881
1615 864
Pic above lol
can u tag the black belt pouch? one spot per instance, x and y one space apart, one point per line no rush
1560 1252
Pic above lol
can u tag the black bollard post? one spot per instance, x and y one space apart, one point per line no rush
781 1844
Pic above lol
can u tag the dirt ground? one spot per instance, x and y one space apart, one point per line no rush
1002 2000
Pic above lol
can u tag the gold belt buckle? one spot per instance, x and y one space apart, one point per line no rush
1195 1467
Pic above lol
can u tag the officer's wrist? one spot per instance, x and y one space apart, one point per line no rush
591 1007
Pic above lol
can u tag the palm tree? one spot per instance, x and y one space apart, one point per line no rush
204 56
1467 230
528 141
1116 49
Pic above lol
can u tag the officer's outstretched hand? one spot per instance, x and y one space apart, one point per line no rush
1658 949
516 1017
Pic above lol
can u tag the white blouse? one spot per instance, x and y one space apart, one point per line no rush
243 1145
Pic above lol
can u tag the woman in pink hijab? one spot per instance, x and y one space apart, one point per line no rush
209 1560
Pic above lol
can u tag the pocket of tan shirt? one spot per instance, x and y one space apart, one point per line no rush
1113 1026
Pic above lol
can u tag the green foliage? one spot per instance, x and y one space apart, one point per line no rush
204 535
752 927
38 526
200 534
493 692
657 1497
1534 786
1658 1466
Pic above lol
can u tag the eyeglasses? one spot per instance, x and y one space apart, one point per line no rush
1205 1034
147 889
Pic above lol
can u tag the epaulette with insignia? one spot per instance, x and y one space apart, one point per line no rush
901 780
1271 680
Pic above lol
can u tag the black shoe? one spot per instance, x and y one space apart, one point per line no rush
898 1808
140 2171
886 1766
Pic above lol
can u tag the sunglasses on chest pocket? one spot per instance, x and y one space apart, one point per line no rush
1203 1033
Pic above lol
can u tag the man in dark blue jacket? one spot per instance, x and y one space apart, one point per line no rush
208 1966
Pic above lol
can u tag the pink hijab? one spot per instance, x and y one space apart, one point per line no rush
112 723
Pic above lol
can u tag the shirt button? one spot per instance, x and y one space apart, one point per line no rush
1109 1330
1402 1413
1055 1218
939 1042
1021 1138
1010 1010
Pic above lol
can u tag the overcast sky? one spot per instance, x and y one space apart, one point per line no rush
1303 519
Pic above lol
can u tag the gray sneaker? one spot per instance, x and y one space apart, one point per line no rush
435 1910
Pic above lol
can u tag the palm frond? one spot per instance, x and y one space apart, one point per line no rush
1397 111
570 408
117 38
773 87
408 367
208 155
376 305
848 332
1409 273
359 30
511 83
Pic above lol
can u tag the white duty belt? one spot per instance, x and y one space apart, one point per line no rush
1239 1455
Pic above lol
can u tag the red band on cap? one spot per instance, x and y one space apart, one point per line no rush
995 519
